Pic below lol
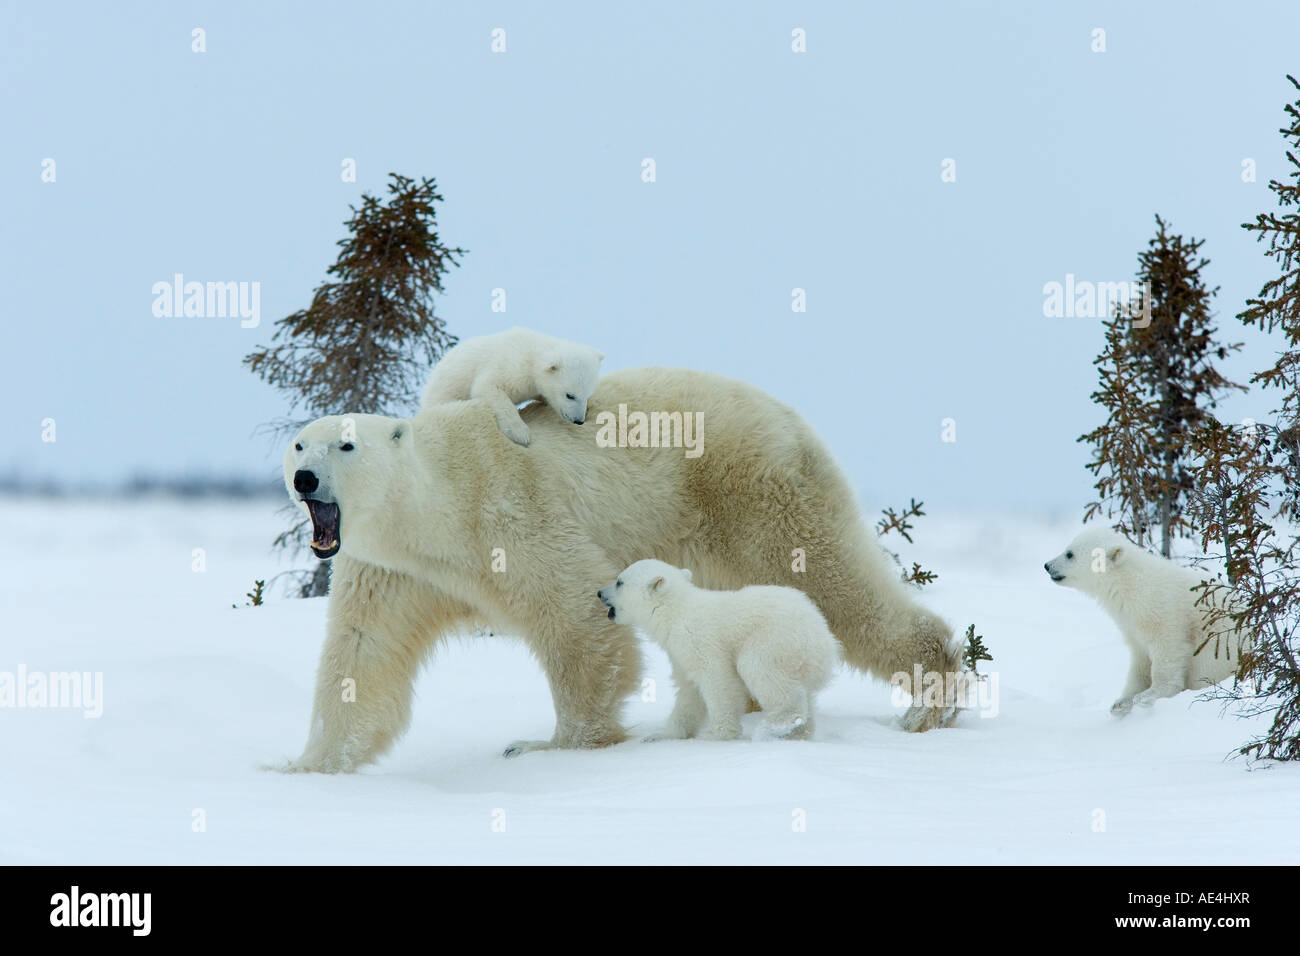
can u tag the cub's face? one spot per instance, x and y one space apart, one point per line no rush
567 381
640 589
1091 554
337 470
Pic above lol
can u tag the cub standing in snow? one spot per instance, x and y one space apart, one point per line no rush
765 642
511 367
1152 601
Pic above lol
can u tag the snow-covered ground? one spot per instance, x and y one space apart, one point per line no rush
197 695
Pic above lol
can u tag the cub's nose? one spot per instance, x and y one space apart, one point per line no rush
578 421
305 482
1046 568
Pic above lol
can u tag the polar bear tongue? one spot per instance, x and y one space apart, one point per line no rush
324 527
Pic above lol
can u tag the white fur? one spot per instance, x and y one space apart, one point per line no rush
444 523
1152 601
768 643
512 367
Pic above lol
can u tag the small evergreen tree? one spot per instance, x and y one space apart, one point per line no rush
1277 309
369 338
1175 352
1168 358
1122 443
255 596
1250 479
1239 479
975 651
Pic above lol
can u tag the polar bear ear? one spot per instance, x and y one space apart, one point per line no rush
657 583
686 573
600 356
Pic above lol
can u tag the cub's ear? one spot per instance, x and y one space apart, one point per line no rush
399 432
600 356
686 573
657 583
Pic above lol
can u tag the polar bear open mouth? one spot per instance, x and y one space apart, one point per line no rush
324 527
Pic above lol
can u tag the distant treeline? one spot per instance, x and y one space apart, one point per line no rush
146 486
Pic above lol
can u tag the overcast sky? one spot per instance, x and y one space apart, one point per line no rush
775 170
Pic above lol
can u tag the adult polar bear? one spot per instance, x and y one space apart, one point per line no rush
417 510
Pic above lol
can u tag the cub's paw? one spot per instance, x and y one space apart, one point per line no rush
520 747
662 735
516 431
1122 706
795 725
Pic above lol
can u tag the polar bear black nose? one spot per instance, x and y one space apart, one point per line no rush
1045 566
304 482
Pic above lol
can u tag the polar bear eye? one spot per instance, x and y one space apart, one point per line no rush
618 584
297 446
569 397
1069 555
346 446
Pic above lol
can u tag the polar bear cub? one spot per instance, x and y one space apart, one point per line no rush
511 367
1151 600
765 642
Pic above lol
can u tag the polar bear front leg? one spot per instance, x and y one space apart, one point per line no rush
727 699
1168 677
688 713
591 668
1139 679
507 417
381 625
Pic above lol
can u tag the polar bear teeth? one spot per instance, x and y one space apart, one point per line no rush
324 525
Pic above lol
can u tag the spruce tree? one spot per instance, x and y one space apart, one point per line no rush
1277 308
1159 381
369 337
1121 445
1250 479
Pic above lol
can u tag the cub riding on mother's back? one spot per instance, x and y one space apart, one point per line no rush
511 367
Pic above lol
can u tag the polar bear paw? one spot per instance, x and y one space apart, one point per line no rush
305 765
791 725
1122 706
919 718
513 427
521 747
667 733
